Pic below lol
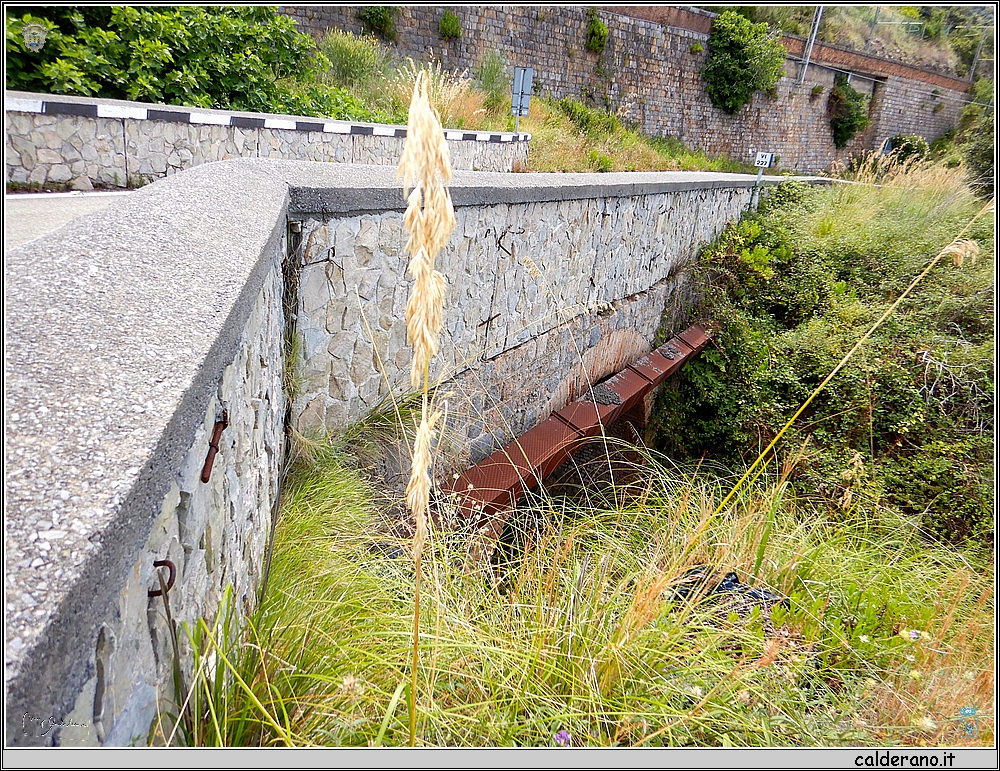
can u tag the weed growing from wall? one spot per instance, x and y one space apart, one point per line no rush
848 112
450 26
597 33
380 19
742 58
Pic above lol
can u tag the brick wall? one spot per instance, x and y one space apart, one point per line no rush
649 74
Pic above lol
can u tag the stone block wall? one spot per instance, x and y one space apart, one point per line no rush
84 142
535 290
650 73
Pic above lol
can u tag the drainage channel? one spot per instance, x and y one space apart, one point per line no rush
495 483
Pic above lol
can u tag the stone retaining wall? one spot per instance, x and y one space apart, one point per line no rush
84 142
129 330
650 73
534 290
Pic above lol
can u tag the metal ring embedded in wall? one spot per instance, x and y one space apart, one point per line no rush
170 579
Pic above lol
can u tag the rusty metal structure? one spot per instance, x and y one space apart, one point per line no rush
493 485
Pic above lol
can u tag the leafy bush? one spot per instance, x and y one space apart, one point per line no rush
238 58
848 112
450 26
352 60
791 288
979 157
597 33
909 146
742 58
380 19
697 48
492 79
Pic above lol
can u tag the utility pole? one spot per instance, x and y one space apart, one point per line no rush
975 59
871 32
809 45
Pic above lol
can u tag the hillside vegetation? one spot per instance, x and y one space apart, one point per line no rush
941 38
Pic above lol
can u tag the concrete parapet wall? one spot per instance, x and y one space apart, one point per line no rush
129 331
83 142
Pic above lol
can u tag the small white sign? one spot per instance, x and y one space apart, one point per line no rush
764 160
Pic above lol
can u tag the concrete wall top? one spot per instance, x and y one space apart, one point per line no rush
92 107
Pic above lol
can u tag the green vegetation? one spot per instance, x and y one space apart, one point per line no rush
583 636
742 58
909 146
944 38
848 112
493 79
908 423
450 26
238 58
597 32
379 19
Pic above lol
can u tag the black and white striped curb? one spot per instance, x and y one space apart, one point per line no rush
215 118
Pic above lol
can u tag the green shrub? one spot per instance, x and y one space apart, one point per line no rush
697 48
848 112
223 57
742 58
380 19
909 146
979 158
909 419
600 161
450 26
816 90
597 33
493 80
353 60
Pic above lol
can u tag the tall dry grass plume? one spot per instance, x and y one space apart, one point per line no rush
426 171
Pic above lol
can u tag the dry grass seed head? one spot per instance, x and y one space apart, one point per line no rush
429 218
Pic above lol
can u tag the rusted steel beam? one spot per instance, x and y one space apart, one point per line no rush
495 483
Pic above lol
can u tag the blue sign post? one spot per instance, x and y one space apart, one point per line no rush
521 93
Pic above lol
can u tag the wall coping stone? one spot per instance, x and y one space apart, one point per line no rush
117 329
59 104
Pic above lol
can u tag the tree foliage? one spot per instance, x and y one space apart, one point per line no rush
742 58
239 58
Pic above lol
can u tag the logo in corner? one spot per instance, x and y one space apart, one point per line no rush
34 35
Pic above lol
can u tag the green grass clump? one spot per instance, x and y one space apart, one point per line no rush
582 632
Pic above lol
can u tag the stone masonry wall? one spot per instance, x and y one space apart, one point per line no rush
535 289
130 330
650 73
215 533
47 142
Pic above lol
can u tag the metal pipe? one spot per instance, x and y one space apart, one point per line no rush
809 45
